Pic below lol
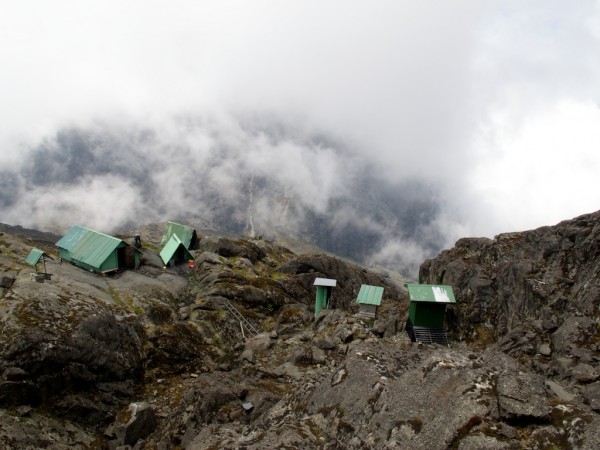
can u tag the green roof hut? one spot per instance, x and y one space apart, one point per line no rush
324 295
187 235
369 299
35 256
174 252
427 312
97 252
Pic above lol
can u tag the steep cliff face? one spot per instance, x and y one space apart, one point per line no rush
534 293
546 274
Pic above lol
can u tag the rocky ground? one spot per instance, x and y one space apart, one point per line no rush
154 359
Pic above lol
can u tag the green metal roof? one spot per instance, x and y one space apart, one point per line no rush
89 246
430 293
370 295
183 232
34 256
170 248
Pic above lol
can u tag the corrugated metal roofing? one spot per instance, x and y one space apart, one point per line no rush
430 293
324 282
34 256
89 246
370 295
183 232
170 248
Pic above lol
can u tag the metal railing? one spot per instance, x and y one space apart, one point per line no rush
430 336
244 323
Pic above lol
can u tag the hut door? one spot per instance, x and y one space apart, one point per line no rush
126 257
321 300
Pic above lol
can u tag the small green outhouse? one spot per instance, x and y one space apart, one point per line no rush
324 295
369 299
33 259
427 309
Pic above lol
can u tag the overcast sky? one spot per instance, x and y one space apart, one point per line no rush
497 103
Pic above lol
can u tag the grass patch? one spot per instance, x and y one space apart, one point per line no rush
127 304
278 276
115 295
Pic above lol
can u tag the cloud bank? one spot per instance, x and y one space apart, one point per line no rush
410 123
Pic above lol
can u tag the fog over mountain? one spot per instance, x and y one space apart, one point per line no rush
382 132
252 180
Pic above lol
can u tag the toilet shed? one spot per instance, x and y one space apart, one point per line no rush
35 256
427 310
369 299
324 294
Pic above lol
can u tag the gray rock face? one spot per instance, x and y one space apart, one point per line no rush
34 430
533 293
559 392
585 373
522 276
521 397
83 347
396 395
7 278
229 247
248 355
260 341
572 332
545 349
349 278
591 394
139 423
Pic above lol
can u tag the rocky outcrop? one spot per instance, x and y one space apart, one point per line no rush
349 277
232 248
77 346
535 295
391 394
156 359
135 424
81 345
541 277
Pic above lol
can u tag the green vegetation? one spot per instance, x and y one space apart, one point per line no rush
129 302
278 276
133 307
115 295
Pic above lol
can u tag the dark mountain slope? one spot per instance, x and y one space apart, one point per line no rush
155 359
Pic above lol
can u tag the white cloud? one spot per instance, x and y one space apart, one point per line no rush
542 172
492 103
99 202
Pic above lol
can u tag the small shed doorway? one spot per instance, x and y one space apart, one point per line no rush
324 294
427 312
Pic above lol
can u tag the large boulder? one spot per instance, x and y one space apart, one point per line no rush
138 421
232 248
